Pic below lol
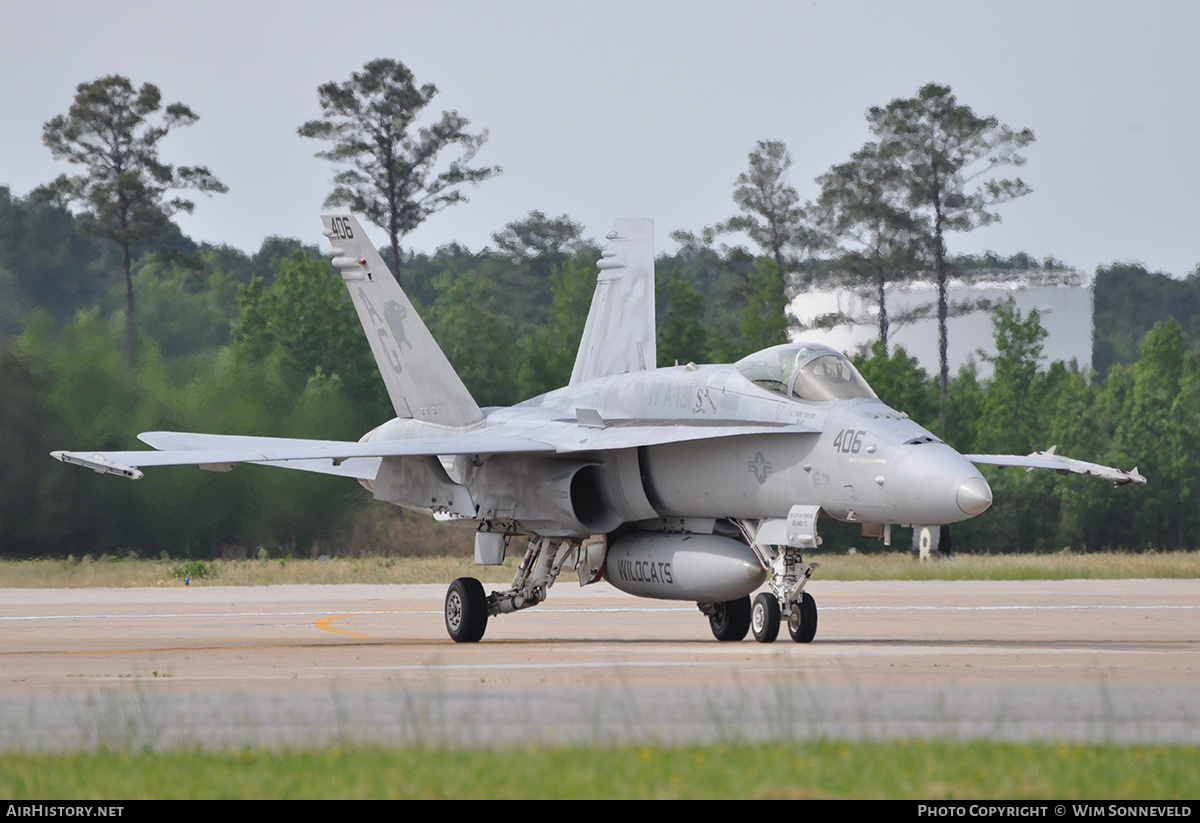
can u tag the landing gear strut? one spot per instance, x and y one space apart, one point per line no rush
468 608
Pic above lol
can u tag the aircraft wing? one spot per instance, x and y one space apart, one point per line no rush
221 452
1062 465
559 436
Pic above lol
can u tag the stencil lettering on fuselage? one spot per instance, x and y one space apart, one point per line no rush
645 571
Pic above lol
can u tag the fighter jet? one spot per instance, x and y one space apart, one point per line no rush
698 483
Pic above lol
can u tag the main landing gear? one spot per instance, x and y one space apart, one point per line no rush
466 610
468 607
729 620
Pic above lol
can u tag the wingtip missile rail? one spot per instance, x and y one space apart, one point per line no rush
97 464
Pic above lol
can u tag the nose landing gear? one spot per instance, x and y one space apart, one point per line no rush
764 619
802 622
787 600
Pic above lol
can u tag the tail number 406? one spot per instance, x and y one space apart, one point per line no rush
848 441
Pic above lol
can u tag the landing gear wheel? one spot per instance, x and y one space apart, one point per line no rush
802 625
764 619
466 610
730 620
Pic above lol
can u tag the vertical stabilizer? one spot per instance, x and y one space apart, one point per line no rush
420 380
620 333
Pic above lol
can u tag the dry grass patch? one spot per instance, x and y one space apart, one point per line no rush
1058 566
114 572
128 573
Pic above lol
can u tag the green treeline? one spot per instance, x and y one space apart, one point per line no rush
268 344
1146 414
112 322
1129 300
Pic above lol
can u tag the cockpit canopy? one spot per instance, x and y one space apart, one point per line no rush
805 372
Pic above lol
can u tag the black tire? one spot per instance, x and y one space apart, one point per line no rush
764 619
731 620
805 629
466 610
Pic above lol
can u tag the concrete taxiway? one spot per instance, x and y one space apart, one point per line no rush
1110 660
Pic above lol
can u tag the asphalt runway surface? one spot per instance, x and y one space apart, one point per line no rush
1080 660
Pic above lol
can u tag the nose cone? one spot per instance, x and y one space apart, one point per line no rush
974 496
931 483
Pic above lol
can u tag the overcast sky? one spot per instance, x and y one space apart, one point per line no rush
607 108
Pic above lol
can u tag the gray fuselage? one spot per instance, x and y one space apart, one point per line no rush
857 459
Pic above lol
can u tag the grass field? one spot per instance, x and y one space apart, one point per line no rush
127 572
825 769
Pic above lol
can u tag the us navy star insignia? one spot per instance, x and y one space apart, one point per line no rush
760 466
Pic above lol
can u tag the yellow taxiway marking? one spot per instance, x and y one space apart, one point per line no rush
323 624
